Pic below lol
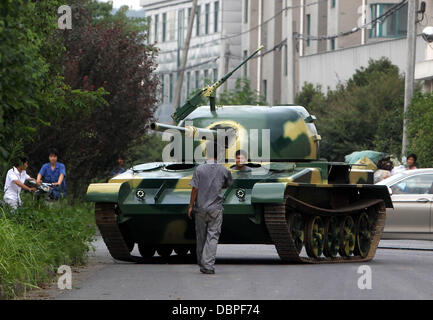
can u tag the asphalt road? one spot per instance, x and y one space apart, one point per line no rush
255 272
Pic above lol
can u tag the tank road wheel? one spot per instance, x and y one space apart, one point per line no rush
146 251
315 237
296 226
181 251
363 235
332 241
347 237
164 252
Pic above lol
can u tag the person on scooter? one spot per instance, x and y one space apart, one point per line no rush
14 183
53 172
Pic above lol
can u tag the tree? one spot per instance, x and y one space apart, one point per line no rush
102 59
420 128
363 113
31 83
242 94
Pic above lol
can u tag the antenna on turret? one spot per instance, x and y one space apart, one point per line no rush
208 91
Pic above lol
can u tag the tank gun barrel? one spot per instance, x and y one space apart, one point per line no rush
208 91
188 131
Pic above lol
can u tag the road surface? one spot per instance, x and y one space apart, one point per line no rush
255 272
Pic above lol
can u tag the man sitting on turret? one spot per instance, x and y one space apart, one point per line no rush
241 159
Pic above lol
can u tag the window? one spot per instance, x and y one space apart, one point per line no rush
332 44
308 29
188 83
180 22
333 3
197 22
246 10
393 26
216 13
206 77
162 88
172 25
265 89
285 62
206 18
197 80
149 23
171 88
164 26
215 75
419 184
246 64
156 27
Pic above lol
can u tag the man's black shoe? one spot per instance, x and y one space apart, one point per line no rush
205 271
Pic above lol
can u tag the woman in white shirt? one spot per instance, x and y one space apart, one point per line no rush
15 179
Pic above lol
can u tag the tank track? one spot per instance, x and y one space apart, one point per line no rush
275 219
106 220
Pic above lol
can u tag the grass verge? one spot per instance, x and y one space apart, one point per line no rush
38 238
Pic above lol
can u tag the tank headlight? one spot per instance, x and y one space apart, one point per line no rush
140 194
240 193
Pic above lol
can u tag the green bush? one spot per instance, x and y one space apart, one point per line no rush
38 238
363 113
420 128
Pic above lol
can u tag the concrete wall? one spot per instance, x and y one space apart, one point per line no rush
327 69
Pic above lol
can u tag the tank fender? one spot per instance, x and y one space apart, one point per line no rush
268 192
103 192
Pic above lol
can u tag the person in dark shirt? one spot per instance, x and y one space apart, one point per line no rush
207 203
118 169
241 159
53 172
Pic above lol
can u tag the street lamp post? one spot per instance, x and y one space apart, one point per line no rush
410 68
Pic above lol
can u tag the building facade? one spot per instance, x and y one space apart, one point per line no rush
213 48
323 41
318 41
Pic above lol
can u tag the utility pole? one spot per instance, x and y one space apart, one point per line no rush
259 43
177 94
410 67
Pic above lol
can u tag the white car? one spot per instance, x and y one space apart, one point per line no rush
412 196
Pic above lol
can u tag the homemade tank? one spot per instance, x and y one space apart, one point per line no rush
293 200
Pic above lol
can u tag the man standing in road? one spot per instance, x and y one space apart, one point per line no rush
53 172
207 202
15 179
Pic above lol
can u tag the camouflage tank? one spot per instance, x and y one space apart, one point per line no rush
312 210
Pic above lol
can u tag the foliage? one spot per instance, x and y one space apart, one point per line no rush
147 148
420 128
36 239
363 113
242 94
106 61
27 80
